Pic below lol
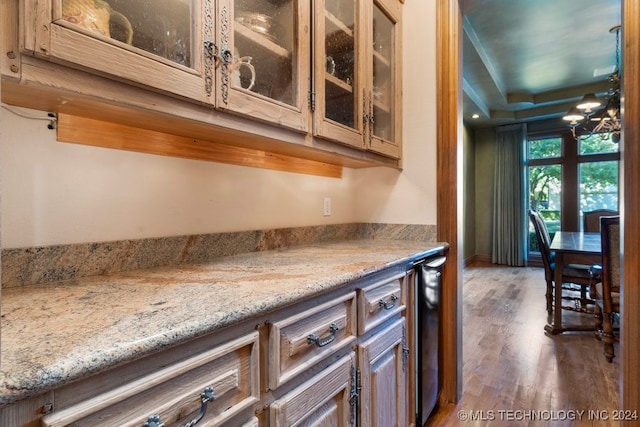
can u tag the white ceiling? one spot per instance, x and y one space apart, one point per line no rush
529 60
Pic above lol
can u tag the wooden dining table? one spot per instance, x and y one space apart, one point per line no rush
571 247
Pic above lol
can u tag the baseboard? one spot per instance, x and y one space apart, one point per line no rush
478 260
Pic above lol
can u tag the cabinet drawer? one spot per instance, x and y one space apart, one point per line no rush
174 393
298 342
324 400
380 301
253 422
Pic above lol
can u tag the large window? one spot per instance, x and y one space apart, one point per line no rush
598 173
545 179
569 177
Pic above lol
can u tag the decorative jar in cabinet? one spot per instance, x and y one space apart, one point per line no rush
166 45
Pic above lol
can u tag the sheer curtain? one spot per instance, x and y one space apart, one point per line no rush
509 238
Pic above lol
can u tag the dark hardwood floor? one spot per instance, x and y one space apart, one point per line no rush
513 371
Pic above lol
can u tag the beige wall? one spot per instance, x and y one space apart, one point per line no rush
469 194
478 155
484 167
409 197
54 193
57 193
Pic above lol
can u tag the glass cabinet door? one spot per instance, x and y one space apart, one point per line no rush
155 43
264 68
384 103
163 28
339 74
337 77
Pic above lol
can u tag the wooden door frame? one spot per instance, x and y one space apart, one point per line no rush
449 188
449 197
630 345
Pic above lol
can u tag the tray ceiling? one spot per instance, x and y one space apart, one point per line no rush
526 60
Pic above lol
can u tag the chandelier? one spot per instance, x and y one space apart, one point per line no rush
585 120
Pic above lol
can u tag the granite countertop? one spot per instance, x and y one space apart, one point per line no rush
56 333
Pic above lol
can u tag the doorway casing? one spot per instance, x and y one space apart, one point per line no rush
449 197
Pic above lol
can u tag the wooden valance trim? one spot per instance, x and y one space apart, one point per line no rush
85 131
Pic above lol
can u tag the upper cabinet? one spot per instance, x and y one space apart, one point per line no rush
163 44
264 54
384 77
327 69
339 72
357 74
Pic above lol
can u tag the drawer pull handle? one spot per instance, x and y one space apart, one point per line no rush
321 342
205 397
388 305
153 421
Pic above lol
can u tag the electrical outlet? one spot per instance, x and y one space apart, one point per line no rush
326 208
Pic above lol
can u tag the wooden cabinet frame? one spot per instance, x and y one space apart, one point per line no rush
391 146
295 115
323 126
44 34
325 399
151 95
382 365
345 376
362 133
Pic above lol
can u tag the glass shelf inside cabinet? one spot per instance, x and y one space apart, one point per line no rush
160 27
264 48
340 67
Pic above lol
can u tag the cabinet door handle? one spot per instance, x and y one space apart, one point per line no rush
210 55
365 117
388 305
226 56
206 396
211 49
321 342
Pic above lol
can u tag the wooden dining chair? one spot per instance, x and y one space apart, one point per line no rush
575 278
607 291
591 219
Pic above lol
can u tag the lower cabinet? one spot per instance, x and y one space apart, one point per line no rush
305 338
210 387
363 389
324 400
382 362
252 422
340 361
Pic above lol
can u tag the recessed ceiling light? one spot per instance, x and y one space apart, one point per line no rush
475 116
